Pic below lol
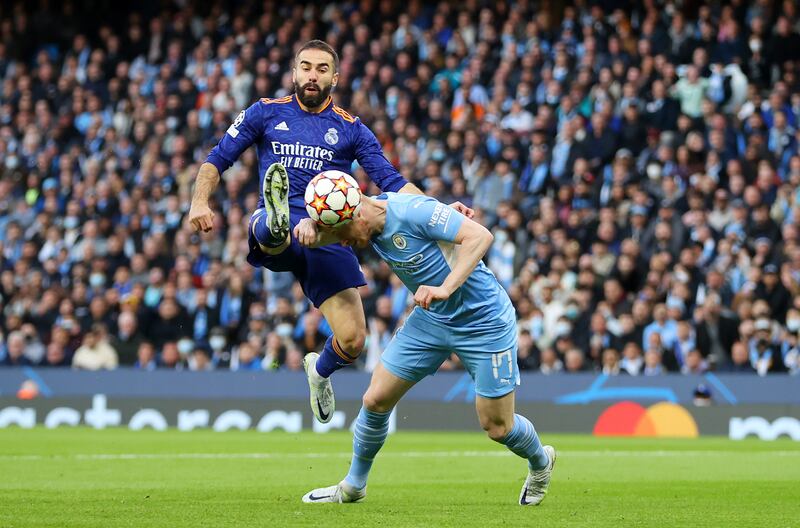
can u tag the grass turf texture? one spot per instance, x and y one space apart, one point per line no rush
116 477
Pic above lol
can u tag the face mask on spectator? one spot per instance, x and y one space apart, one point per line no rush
96 280
793 325
217 342
71 222
563 328
185 346
571 311
284 330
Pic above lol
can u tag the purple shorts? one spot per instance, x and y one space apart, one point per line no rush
322 272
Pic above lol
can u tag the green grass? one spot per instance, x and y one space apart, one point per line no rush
59 478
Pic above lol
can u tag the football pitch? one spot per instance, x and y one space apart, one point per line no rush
116 477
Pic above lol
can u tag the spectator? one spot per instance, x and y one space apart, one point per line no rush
246 358
146 356
574 361
15 350
95 353
648 149
740 360
127 339
200 360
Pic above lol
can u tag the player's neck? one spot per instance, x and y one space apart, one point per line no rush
315 110
377 215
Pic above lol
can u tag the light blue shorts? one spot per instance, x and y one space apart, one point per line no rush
487 350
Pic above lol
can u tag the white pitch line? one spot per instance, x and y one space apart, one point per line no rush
389 454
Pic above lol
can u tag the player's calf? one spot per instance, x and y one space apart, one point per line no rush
338 353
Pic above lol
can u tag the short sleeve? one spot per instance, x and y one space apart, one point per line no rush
431 219
242 133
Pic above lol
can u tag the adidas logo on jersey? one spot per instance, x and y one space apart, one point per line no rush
282 126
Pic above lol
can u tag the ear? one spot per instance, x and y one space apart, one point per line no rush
294 74
335 80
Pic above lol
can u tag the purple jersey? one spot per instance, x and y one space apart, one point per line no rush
305 143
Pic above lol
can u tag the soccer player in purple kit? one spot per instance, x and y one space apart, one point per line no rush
302 135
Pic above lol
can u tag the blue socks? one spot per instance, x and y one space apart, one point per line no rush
524 442
333 358
260 229
368 437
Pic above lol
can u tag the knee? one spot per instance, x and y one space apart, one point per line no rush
497 431
375 404
353 342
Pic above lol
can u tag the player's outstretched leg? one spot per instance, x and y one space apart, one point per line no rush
369 434
517 433
271 227
345 314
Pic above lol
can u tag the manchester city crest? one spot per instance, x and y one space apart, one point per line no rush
399 242
331 136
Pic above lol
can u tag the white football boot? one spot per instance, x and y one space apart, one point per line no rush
276 200
538 480
342 492
322 401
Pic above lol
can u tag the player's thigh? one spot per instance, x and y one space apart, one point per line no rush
344 312
496 415
492 362
330 270
385 390
417 349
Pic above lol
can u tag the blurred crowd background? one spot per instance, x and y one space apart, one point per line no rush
637 162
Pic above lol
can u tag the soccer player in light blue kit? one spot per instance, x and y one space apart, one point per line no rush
461 308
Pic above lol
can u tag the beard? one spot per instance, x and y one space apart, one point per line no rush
312 100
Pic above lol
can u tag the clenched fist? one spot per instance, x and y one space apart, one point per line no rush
201 217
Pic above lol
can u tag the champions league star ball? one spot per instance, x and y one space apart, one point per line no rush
332 198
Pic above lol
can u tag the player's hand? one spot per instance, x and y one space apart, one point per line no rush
463 209
306 232
427 294
201 217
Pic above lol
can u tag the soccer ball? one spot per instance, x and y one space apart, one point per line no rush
332 198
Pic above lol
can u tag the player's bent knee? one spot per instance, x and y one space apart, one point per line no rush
375 404
497 431
276 250
353 343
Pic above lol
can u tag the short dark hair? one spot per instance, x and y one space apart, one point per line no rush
320 45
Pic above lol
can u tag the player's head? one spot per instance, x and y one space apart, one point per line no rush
366 223
315 72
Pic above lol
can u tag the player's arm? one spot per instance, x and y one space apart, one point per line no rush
434 220
474 241
200 214
244 131
369 154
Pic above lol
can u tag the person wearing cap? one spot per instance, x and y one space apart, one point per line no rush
772 290
764 355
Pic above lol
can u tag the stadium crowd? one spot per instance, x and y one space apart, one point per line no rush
637 162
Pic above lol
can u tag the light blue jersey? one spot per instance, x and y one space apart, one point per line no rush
417 242
477 322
